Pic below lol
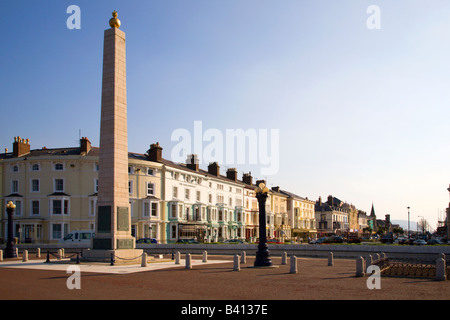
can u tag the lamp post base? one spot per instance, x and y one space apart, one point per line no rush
10 251
263 256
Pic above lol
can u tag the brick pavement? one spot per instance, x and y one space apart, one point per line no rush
315 280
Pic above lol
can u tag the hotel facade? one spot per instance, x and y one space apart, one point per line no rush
55 192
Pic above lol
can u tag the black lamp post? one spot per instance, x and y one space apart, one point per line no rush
10 251
408 224
262 255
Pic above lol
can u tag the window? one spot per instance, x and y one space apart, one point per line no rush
175 192
35 185
146 209
59 167
173 210
59 185
60 206
15 186
154 209
151 208
150 188
186 194
93 206
56 231
35 167
198 195
210 198
59 230
150 172
35 207
95 185
174 232
130 187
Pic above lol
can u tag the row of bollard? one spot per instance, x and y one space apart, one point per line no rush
242 258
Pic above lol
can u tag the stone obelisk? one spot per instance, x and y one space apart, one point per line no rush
113 225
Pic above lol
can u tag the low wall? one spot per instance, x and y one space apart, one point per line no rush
303 250
299 250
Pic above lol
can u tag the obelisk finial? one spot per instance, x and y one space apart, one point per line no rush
114 22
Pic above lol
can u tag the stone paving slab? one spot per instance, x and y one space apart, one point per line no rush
63 264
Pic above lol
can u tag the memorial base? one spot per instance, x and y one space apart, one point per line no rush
120 256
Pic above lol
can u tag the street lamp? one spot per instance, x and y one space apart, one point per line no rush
10 251
262 255
408 224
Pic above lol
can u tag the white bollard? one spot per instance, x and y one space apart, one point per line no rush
369 260
205 256
38 252
377 257
243 257
17 252
440 270
360 267
188 261
25 256
293 268
237 263
177 257
59 254
284 258
144 260
330 259
1 255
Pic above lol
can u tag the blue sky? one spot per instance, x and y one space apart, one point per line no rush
362 114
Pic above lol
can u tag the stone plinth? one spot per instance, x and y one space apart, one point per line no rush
123 256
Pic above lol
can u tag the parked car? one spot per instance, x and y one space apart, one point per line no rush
274 241
319 241
401 240
78 237
435 241
188 241
419 242
234 241
147 240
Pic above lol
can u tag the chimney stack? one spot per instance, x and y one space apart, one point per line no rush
155 152
192 162
232 174
214 169
330 200
21 147
85 146
276 189
247 178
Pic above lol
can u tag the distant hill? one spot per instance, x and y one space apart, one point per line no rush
404 224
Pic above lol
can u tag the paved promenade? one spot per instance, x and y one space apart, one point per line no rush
214 280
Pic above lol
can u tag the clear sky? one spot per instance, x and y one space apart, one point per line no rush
362 114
